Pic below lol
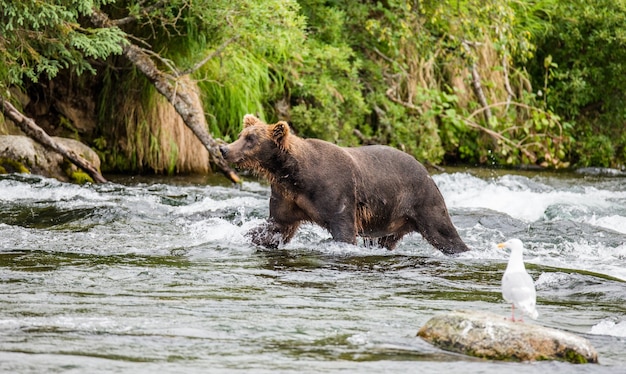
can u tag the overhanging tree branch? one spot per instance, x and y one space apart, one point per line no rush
31 129
146 10
179 95
209 57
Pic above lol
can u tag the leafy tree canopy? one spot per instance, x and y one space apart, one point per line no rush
42 37
489 82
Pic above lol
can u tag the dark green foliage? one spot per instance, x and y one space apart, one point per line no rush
582 63
414 61
39 38
351 72
596 150
326 93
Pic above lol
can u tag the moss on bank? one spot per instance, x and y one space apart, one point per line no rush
8 165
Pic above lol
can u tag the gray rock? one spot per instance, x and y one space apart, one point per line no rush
22 154
601 172
492 336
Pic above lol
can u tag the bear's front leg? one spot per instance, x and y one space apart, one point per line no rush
343 231
281 226
272 234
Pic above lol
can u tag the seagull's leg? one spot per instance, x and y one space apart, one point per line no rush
521 319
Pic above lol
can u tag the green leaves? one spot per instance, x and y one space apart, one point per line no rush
39 38
401 73
324 86
98 43
582 64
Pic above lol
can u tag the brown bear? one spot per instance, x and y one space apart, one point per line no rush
375 191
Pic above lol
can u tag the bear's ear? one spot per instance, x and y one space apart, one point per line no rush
250 120
280 131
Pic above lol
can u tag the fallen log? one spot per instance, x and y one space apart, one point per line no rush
31 129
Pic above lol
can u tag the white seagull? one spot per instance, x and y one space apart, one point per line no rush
518 287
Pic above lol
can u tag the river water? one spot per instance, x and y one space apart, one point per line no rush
148 275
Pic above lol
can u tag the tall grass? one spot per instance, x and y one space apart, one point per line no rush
231 87
147 132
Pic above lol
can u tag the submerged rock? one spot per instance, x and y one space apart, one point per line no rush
21 154
492 336
601 172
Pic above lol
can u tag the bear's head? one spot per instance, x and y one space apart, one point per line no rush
259 145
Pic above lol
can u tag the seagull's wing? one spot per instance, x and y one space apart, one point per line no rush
518 288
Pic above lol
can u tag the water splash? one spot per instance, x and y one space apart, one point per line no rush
527 199
610 327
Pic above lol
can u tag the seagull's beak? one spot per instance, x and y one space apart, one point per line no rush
501 245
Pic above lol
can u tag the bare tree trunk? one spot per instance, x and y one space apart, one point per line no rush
507 83
180 96
477 87
31 129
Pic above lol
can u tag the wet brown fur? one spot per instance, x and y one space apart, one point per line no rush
375 191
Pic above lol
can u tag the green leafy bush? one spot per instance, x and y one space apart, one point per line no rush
586 47
43 37
473 81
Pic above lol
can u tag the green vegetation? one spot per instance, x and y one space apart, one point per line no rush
39 39
586 80
574 357
490 82
80 177
8 165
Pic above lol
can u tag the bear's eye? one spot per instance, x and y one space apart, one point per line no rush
249 138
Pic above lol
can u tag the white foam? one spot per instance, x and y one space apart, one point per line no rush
216 230
519 197
552 280
56 191
91 324
359 339
582 255
209 204
610 327
612 222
